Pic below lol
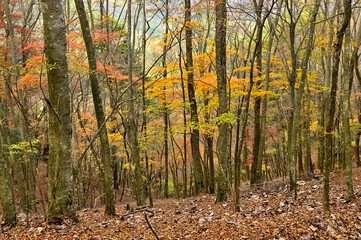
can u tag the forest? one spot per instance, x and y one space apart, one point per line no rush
161 119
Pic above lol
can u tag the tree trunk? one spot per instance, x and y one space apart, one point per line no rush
7 197
99 111
196 155
29 170
165 107
149 179
132 124
272 26
221 58
60 192
292 154
184 165
256 173
347 78
332 105
209 150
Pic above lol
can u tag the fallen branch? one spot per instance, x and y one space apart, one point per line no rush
233 223
136 211
150 226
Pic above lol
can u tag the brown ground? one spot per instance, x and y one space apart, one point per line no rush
268 212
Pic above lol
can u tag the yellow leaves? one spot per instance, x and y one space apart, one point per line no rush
279 83
314 126
242 69
193 24
313 89
238 93
262 93
231 52
354 44
157 70
207 82
113 137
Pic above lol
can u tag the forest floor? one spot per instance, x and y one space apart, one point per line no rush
267 212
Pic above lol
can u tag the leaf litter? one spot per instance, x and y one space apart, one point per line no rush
268 211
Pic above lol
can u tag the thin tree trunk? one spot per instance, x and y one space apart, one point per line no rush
292 154
184 165
29 171
196 155
149 179
7 197
332 105
165 107
108 183
132 124
346 112
272 26
256 173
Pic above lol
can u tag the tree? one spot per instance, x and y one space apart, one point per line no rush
332 105
165 110
221 61
131 121
196 155
297 105
17 170
99 112
60 192
346 104
256 173
7 197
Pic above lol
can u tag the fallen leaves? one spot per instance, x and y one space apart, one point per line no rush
266 213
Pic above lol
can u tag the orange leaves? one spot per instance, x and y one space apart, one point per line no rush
89 123
35 62
33 48
28 81
99 36
112 71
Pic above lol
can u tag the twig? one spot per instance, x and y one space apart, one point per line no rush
136 211
150 226
233 223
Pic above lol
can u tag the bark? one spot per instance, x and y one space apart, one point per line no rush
184 164
131 122
292 153
358 135
99 111
346 112
223 126
60 192
256 173
332 105
209 150
7 197
29 170
292 81
149 179
165 107
196 154
272 26
245 114
321 136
